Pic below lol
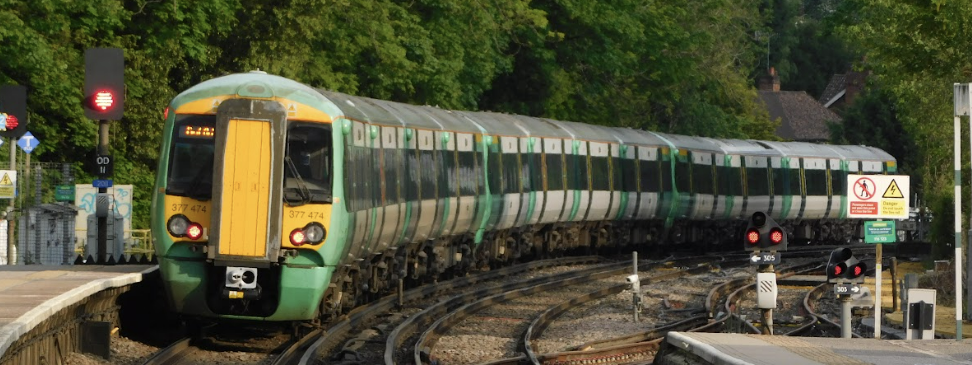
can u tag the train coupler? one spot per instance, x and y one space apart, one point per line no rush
248 294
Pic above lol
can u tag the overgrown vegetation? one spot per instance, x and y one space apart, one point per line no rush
675 66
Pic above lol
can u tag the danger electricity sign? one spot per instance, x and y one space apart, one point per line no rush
878 196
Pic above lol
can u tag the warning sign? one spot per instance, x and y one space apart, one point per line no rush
893 191
863 200
8 184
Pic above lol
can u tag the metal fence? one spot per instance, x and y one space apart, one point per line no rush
45 218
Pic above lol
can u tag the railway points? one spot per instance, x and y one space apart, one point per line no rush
41 306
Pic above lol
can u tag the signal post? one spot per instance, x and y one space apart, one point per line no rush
849 274
765 238
104 101
13 112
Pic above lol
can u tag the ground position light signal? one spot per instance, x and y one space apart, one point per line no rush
843 265
763 232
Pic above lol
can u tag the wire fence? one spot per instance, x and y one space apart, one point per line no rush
54 220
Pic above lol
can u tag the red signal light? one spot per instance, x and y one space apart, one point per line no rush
752 236
104 100
11 122
776 236
838 270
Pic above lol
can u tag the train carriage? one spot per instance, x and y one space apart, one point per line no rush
276 201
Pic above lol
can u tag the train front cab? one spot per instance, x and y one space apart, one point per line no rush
246 210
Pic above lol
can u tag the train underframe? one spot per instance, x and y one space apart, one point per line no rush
448 257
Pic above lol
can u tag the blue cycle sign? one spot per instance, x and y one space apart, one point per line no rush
880 232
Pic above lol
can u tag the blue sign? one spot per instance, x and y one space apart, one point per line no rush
101 184
27 142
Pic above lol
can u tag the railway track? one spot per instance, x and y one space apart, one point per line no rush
379 331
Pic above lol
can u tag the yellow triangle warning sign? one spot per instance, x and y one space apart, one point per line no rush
6 180
893 191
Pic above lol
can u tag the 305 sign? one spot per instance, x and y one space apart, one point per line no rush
104 165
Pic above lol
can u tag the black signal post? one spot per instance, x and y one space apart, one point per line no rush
848 272
104 101
13 107
765 238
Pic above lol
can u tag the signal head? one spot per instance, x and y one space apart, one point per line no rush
843 265
104 83
762 232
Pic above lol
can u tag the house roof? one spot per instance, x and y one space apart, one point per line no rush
801 117
835 89
836 86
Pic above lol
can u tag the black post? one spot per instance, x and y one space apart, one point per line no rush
102 219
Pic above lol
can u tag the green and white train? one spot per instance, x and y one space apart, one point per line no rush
276 201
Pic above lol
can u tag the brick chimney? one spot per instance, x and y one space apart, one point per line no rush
770 82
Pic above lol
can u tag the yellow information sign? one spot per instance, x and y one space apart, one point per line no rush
8 184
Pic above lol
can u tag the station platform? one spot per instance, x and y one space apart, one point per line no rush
732 348
30 294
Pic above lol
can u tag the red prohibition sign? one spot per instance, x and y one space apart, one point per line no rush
864 188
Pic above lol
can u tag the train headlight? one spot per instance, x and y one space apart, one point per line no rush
314 233
194 231
178 225
297 237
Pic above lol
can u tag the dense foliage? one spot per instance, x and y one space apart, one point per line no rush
675 66
679 66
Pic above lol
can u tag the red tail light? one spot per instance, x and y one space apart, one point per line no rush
297 237
194 231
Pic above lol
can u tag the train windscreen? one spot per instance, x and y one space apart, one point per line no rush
307 166
191 157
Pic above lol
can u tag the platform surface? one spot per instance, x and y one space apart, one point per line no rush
731 348
29 294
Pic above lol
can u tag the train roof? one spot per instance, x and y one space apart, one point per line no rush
254 83
861 152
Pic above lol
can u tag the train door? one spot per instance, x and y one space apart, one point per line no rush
757 184
731 186
795 189
581 180
391 170
533 180
359 187
411 183
247 182
683 198
617 186
703 180
511 182
819 198
467 176
427 190
553 162
600 175
780 200
649 184
448 203
628 174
